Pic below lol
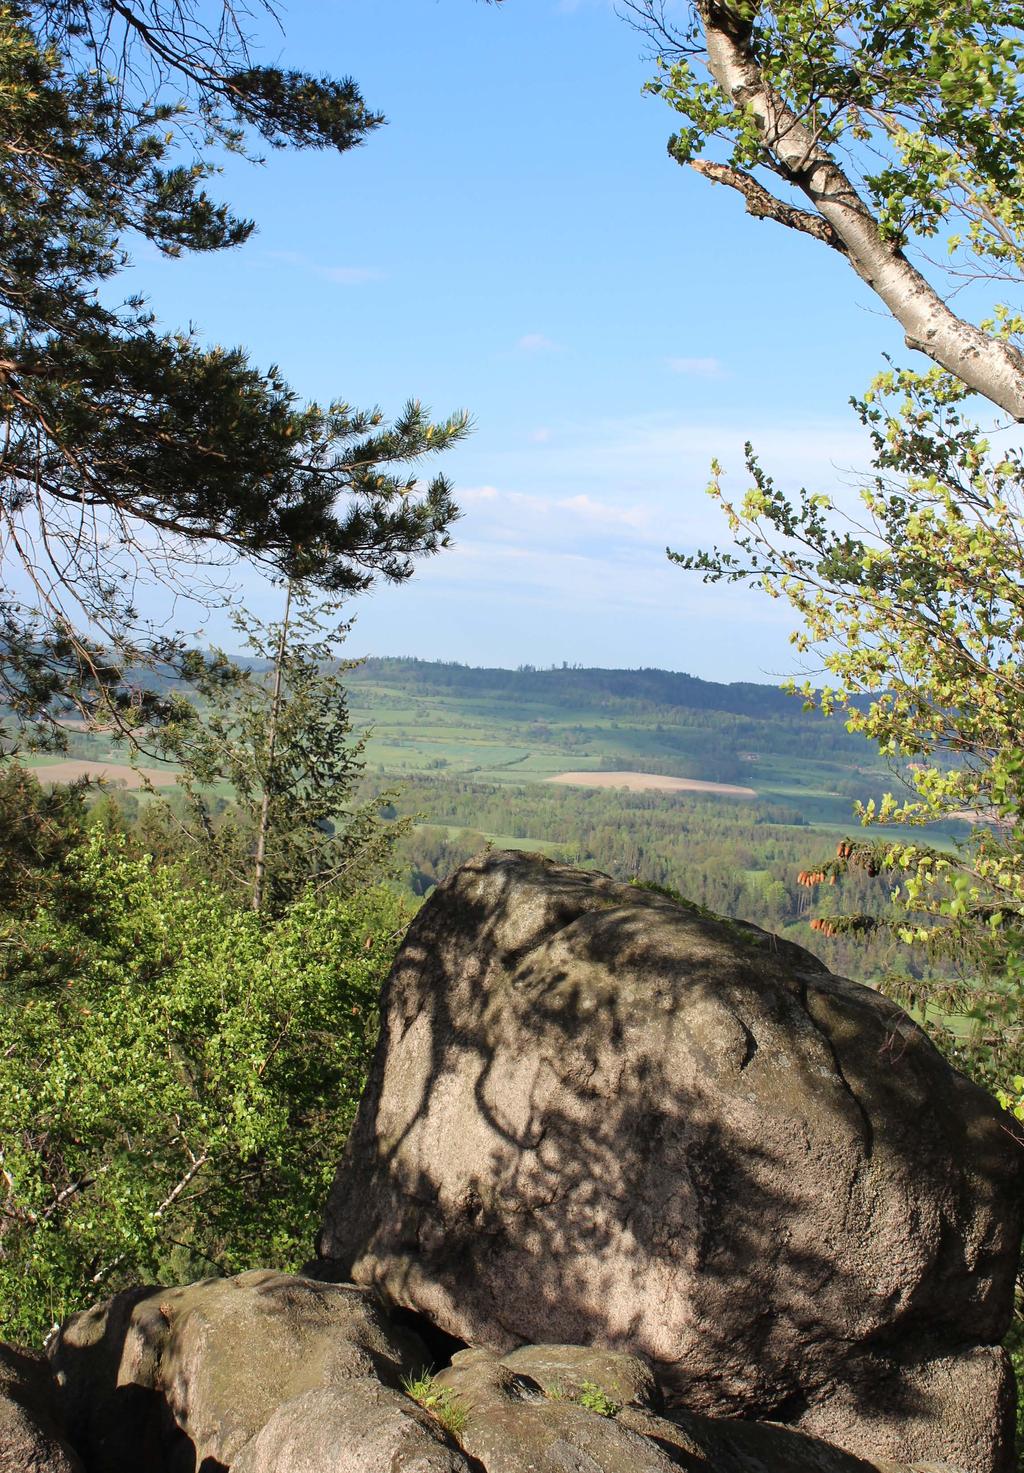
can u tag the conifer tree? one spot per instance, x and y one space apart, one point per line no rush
274 726
129 451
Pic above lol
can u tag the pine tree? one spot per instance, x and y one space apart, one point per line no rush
131 452
274 726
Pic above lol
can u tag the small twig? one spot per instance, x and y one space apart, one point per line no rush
197 1164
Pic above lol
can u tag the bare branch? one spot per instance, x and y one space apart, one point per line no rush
763 205
198 1162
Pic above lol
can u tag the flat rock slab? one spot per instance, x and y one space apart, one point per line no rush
361 1427
599 1117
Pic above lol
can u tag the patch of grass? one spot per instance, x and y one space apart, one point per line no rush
592 1397
440 1401
588 1395
674 895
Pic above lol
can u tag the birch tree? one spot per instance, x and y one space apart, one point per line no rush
890 133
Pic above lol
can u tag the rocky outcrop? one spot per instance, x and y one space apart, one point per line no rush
32 1438
269 1373
181 1379
599 1117
688 1201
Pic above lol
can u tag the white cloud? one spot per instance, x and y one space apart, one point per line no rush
697 367
599 511
560 553
339 275
349 275
646 475
658 455
579 525
536 342
540 436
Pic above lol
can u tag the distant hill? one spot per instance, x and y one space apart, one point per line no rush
492 725
496 725
757 788
646 689
579 687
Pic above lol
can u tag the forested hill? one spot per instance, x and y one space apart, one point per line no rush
654 720
580 688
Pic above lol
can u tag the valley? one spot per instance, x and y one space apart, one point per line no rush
720 792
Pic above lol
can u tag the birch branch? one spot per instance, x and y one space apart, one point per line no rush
763 205
172 1196
992 368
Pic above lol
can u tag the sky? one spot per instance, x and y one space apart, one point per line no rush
517 242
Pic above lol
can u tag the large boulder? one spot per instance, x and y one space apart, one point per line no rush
597 1116
173 1380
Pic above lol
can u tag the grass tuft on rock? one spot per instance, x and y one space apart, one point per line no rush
439 1401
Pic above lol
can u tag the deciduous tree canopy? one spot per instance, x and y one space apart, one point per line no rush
178 1077
884 131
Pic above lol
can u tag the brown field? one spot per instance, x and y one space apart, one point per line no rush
638 781
117 773
976 816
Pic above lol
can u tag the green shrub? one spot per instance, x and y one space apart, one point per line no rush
177 1078
595 1400
588 1394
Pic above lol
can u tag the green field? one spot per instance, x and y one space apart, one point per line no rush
470 754
498 727
493 728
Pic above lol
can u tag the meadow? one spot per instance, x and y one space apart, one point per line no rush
501 727
721 792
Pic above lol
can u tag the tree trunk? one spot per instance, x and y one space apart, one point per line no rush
260 861
986 365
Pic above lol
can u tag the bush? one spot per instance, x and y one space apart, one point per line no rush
177 1078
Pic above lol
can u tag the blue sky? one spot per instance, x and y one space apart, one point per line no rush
517 242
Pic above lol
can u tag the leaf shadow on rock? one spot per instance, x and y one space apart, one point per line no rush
782 1190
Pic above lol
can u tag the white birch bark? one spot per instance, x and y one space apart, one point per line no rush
988 366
